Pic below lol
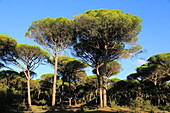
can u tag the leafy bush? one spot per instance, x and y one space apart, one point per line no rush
113 104
43 102
140 104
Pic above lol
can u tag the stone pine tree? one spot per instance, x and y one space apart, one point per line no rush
112 68
54 35
155 72
68 68
28 58
111 33
162 61
90 54
7 47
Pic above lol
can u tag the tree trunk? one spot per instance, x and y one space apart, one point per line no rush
39 92
28 90
75 101
54 83
100 88
90 97
105 79
96 96
84 99
62 93
23 102
104 91
69 92
69 101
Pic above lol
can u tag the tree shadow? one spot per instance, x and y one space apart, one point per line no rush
79 111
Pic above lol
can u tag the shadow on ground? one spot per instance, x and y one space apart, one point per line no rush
89 111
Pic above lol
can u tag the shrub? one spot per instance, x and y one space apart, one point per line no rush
113 104
43 102
140 104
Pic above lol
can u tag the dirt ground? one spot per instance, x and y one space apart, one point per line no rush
92 109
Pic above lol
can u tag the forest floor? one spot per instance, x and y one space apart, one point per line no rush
92 109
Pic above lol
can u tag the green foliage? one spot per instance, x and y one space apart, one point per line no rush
30 55
55 35
113 104
123 91
7 43
155 73
43 102
48 77
159 65
114 80
140 103
12 91
104 36
110 20
112 68
163 59
52 34
7 48
111 28
70 67
10 101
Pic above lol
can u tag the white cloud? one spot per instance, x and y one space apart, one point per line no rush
141 61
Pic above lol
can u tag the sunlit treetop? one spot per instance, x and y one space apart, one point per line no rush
30 55
27 50
107 31
7 47
52 33
113 23
7 42
163 58
157 68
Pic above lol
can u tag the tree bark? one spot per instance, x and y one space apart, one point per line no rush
96 96
105 79
99 86
90 96
54 83
39 92
69 101
75 99
62 93
28 90
69 92
104 92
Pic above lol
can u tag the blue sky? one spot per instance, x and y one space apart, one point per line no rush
16 16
